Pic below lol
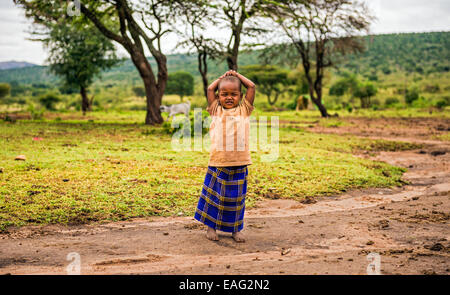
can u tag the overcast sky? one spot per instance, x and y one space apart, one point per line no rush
394 16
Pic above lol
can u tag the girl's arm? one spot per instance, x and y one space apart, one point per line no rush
251 87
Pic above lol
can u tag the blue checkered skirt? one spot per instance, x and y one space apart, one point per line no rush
222 201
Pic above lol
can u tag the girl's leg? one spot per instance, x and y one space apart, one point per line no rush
238 237
212 234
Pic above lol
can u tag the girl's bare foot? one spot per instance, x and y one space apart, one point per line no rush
238 237
211 234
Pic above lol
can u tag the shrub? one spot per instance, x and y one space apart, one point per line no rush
293 104
441 103
411 95
373 77
139 91
48 100
5 89
386 70
35 113
421 102
391 101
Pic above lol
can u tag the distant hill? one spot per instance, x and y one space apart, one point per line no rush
411 52
6 65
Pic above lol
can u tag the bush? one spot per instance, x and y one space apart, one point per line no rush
293 104
139 91
441 103
391 101
421 102
411 95
373 77
386 70
36 114
5 89
48 100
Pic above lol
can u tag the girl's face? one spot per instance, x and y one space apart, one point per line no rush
229 94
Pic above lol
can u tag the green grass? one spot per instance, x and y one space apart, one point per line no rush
115 168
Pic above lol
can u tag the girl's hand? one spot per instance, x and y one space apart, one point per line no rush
231 73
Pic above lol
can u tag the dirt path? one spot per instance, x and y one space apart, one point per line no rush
407 226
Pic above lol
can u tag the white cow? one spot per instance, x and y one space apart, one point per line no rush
181 108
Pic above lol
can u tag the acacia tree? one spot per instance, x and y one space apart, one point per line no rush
180 83
364 91
78 54
237 15
321 31
117 20
271 80
197 16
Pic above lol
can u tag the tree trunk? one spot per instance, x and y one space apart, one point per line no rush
318 102
153 96
86 104
203 69
153 115
272 102
130 30
232 63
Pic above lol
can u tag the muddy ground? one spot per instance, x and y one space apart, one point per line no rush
407 226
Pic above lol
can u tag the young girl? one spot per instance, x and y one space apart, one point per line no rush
222 201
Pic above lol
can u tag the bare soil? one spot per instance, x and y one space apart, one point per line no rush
408 226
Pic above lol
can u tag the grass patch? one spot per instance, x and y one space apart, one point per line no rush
113 168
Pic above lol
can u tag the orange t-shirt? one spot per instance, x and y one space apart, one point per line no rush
229 132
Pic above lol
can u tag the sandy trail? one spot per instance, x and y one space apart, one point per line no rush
408 226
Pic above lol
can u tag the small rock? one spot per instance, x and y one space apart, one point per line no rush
20 157
429 272
65 180
300 221
415 198
1 169
228 266
383 224
436 247
32 193
285 251
166 233
370 243
308 200
272 195
437 153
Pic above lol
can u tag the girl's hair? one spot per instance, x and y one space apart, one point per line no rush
230 79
